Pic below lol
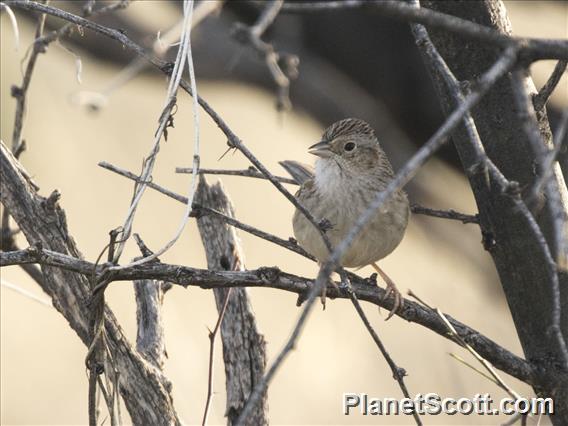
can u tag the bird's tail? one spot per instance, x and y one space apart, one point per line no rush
299 172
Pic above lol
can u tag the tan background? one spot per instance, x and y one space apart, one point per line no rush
43 377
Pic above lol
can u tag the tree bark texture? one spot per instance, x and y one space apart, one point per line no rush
150 332
506 234
144 389
243 346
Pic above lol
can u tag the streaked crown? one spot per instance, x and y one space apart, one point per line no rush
348 127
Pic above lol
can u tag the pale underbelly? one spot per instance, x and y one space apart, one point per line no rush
377 239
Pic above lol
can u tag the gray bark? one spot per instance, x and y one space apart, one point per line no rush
143 387
243 346
507 236
150 332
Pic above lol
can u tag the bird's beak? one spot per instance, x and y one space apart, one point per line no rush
321 149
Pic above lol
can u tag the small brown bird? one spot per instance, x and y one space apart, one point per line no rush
350 170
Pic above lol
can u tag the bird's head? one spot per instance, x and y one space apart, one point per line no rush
351 145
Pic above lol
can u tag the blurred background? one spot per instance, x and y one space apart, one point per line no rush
352 64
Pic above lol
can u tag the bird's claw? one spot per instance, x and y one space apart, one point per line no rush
324 291
391 290
398 299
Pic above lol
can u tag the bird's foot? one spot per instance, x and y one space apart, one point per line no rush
324 290
391 290
398 299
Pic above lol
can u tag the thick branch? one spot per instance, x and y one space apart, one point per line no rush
274 278
244 352
531 48
42 221
510 233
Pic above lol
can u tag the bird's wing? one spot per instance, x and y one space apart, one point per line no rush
299 172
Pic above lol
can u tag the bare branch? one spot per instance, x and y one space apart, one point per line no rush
397 372
253 173
445 214
199 210
244 352
41 300
43 223
530 48
527 116
274 278
251 36
503 65
250 172
500 382
551 157
541 98
149 295
212 335
559 220
505 217
20 92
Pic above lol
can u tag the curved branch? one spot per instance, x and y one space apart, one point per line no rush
274 278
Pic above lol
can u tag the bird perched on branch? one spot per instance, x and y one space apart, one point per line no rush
350 170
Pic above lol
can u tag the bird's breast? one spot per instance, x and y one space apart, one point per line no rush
342 202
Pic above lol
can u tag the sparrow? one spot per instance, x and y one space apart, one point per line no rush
351 168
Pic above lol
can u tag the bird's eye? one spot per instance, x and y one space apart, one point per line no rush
349 146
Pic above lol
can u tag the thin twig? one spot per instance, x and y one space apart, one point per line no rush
473 367
415 208
500 382
397 372
486 81
20 92
494 376
165 121
26 293
109 400
40 45
97 99
445 214
528 117
541 98
250 172
233 140
322 6
198 210
251 36
499 68
212 335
